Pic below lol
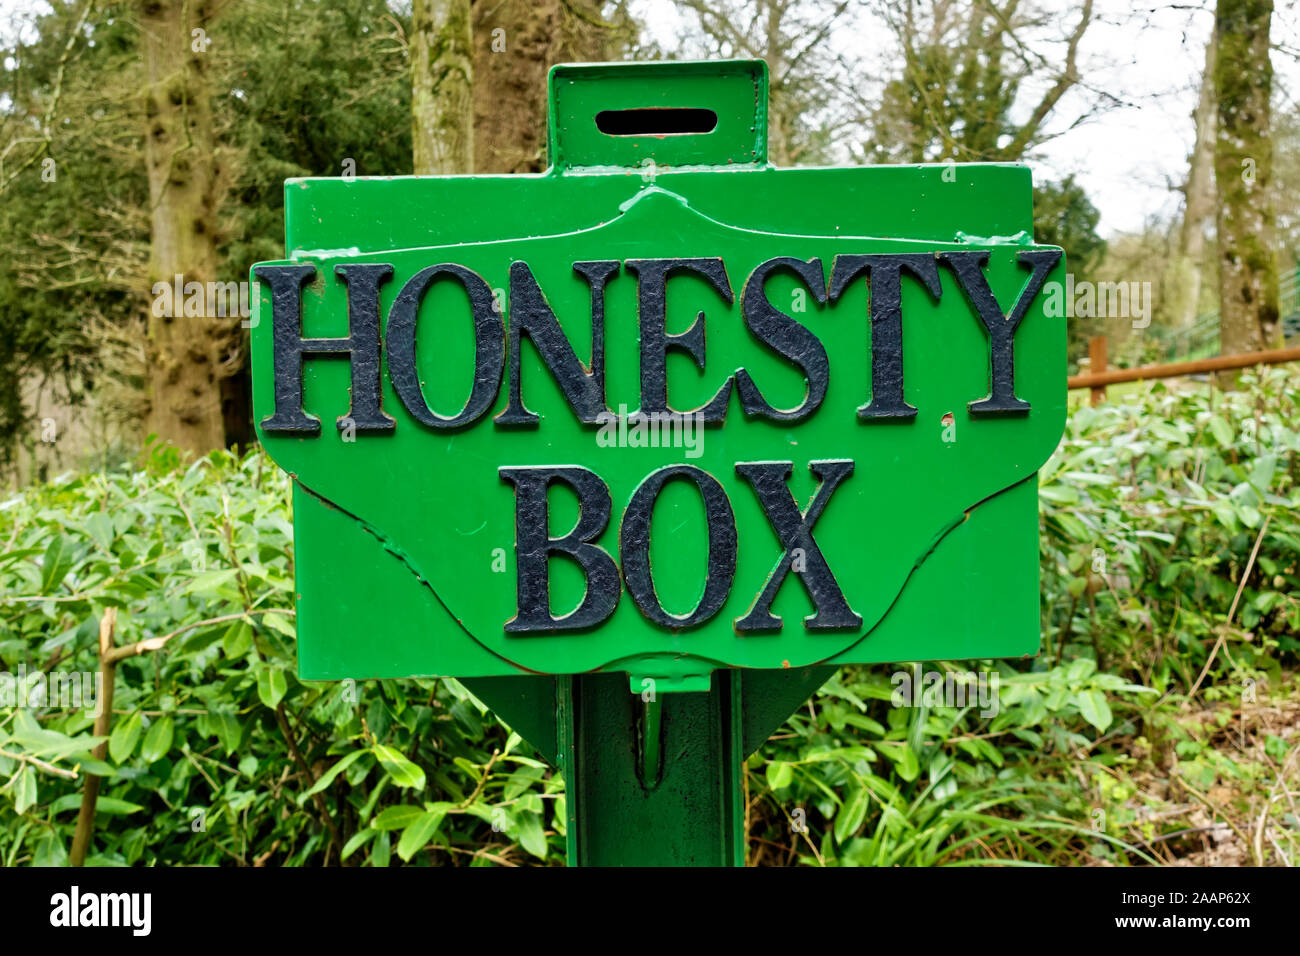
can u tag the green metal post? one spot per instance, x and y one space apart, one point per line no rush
688 811
652 782
652 712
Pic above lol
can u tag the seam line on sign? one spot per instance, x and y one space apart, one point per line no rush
400 556
939 539
627 205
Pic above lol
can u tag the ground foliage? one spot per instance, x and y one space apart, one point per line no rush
1099 753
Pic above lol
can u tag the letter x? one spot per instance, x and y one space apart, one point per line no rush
794 530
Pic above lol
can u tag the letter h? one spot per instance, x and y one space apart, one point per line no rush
361 346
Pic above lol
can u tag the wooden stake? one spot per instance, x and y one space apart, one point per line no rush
1096 366
103 727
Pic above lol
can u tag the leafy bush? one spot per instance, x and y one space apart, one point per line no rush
1150 510
219 755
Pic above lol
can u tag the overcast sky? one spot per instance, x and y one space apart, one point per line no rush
1147 54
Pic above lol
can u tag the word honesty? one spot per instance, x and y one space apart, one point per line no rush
497 348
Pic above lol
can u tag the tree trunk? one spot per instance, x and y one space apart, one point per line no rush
1243 159
779 119
187 352
515 43
442 130
1198 203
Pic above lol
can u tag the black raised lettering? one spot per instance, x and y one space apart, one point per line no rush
887 402
794 531
968 267
531 316
489 346
652 280
360 347
786 337
634 546
534 547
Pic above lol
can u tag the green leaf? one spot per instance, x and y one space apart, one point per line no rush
17 554
522 780
1095 709
238 639
110 805
908 766
100 528
358 840
1226 514
850 816
465 714
779 774
271 685
228 730
50 850
1222 431
399 769
380 852
56 564
1080 668
532 835
209 583
1250 517
281 623
121 743
417 834
24 789
328 776
904 757
1074 529
1059 494
1167 432
115 807
158 741
873 727
202 638
1261 476
41 742
398 817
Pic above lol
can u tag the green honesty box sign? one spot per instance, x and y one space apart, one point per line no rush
660 436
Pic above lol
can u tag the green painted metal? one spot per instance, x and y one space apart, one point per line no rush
769 697
651 741
735 91
700 746
405 542
693 815
527 704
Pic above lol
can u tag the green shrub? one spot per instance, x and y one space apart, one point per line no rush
1150 511
219 755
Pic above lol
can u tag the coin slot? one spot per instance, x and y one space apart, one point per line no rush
656 121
